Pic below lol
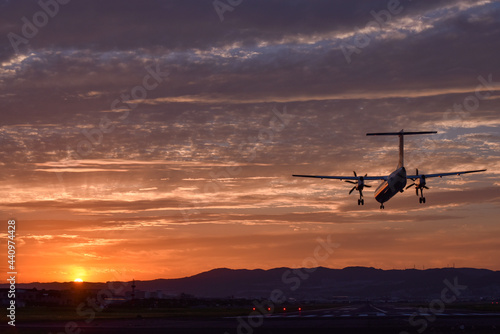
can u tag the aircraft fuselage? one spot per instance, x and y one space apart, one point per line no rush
395 183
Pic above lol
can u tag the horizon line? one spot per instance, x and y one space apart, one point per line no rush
232 269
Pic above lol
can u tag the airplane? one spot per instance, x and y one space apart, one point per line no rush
396 181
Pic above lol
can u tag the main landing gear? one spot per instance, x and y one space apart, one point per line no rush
419 183
382 205
421 199
361 201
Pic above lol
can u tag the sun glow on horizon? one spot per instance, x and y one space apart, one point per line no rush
78 273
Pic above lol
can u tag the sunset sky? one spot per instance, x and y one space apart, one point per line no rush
157 139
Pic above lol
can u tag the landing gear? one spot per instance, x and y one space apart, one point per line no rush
382 206
359 186
421 200
419 183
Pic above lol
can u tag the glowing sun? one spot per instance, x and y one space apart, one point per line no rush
78 280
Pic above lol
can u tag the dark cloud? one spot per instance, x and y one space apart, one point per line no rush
132 24
101 44
242 105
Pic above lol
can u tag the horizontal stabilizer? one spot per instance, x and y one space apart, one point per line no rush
400 133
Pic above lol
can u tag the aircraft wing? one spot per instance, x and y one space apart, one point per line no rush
444 174
353 178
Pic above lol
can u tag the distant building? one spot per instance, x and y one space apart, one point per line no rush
139 294
136 294
35 297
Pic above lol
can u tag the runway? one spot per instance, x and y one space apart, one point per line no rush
374 311
361 318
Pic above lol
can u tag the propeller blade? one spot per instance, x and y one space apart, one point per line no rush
355 173
366 174
411 185
426 187
351 182
367 186
352 190
416 171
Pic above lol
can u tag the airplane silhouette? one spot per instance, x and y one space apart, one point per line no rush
396 181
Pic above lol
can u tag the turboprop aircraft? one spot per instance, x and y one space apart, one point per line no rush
396 181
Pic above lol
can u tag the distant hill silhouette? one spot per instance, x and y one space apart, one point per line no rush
316 284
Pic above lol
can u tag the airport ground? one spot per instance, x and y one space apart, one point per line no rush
353 318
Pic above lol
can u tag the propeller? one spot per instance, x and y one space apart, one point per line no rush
421 182
359 185
349 181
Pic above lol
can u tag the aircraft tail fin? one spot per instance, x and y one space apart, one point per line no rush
401 135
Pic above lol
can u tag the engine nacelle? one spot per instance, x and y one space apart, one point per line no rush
420 182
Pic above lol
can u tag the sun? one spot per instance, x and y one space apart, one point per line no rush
78 273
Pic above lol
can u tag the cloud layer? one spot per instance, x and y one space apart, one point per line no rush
157 133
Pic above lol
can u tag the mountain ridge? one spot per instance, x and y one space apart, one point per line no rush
311 283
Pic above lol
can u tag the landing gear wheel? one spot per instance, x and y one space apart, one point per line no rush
382 206
423 200
420 200
359 202
362 202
